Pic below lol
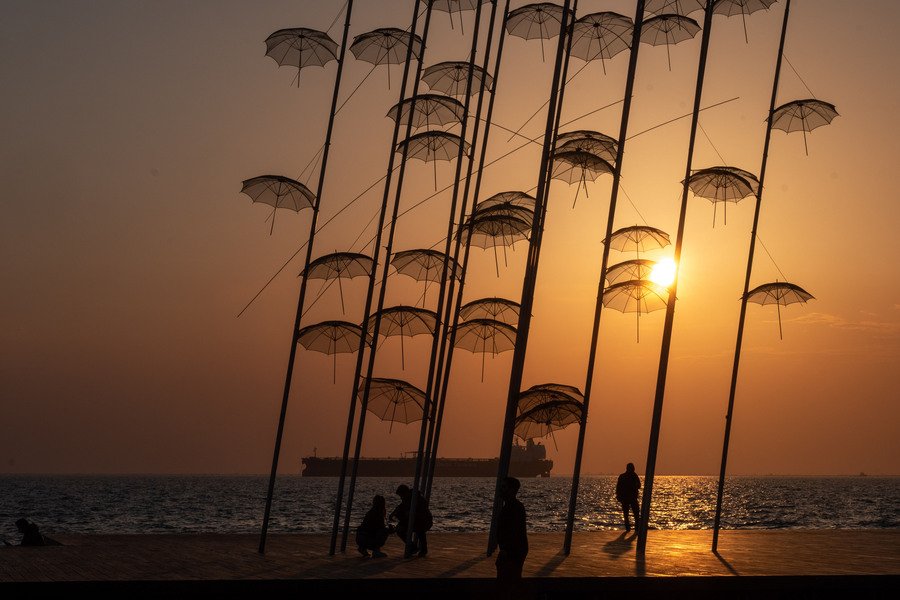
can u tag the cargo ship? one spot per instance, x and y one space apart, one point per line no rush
526 461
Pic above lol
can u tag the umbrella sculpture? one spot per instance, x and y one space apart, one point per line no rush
803 115
667 30
339 265
513 198
780 293
636 268
278 192
750 177
601 35
331 337
385 46
404 321
718 184
432 146
301 47
594 142
637 296
547 392
428 109
485 335
639 238
578 166
489 230
542 420
394 400
449 6
729 8
423 264
535 21
451 77
678 7
506 209
499 309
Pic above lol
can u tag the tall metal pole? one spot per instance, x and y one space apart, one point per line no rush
302 296
670 306
371 289
388 249
528 283
740 331
595 330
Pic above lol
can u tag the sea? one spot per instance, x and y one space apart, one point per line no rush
184 504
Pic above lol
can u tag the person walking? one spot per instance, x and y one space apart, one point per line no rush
627 494
512 537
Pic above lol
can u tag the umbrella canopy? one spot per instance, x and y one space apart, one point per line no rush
639 238
547 392
300 47
779 293
424 264
578 166
601 35
720 184
278 192
803 115
485 335
394 400
499 309
450 77
505 210
385 46
514 198
331 337
747 175
629 270
404 321
668 29
637 296
457 6
338 266
729 8
535 21
432 146
428 109
592 142
543 419
490 230
678 7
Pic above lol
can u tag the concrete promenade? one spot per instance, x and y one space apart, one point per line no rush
779 563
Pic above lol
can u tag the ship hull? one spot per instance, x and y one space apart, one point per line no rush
405 467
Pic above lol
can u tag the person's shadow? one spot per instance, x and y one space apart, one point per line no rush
620 545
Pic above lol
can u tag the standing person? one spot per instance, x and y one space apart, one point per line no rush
627 494
423 522
512 538
373 532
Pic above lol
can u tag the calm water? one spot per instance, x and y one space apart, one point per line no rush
234 504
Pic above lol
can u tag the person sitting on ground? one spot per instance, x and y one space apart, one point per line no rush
512 537
31 536
423 520
373 533
627 488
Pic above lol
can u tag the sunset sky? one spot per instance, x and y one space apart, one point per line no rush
127 250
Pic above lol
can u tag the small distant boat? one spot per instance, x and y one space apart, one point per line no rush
526 461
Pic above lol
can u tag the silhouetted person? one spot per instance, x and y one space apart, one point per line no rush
423 520
373 533
627 494
512 539
31 536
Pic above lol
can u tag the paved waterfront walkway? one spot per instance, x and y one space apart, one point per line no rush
865 561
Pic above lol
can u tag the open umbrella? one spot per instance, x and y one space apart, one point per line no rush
668 29
637 296
507 209
803 115
492 230
542 21
428 109
423 264
278 192
678 7
451 6
451 77
513 198
547 392
593 142
601 35
485 335
432 146
747 175
301 47
404 321
339 265
543 419
385 46
499 309
639 238
629 270
578 166
779 293
331 337
729 8
720 184
394 400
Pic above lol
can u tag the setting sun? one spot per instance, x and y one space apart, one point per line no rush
663 272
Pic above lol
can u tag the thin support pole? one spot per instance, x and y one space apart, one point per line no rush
303 281
740 332
670 305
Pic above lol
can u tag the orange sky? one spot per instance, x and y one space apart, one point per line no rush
126 249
